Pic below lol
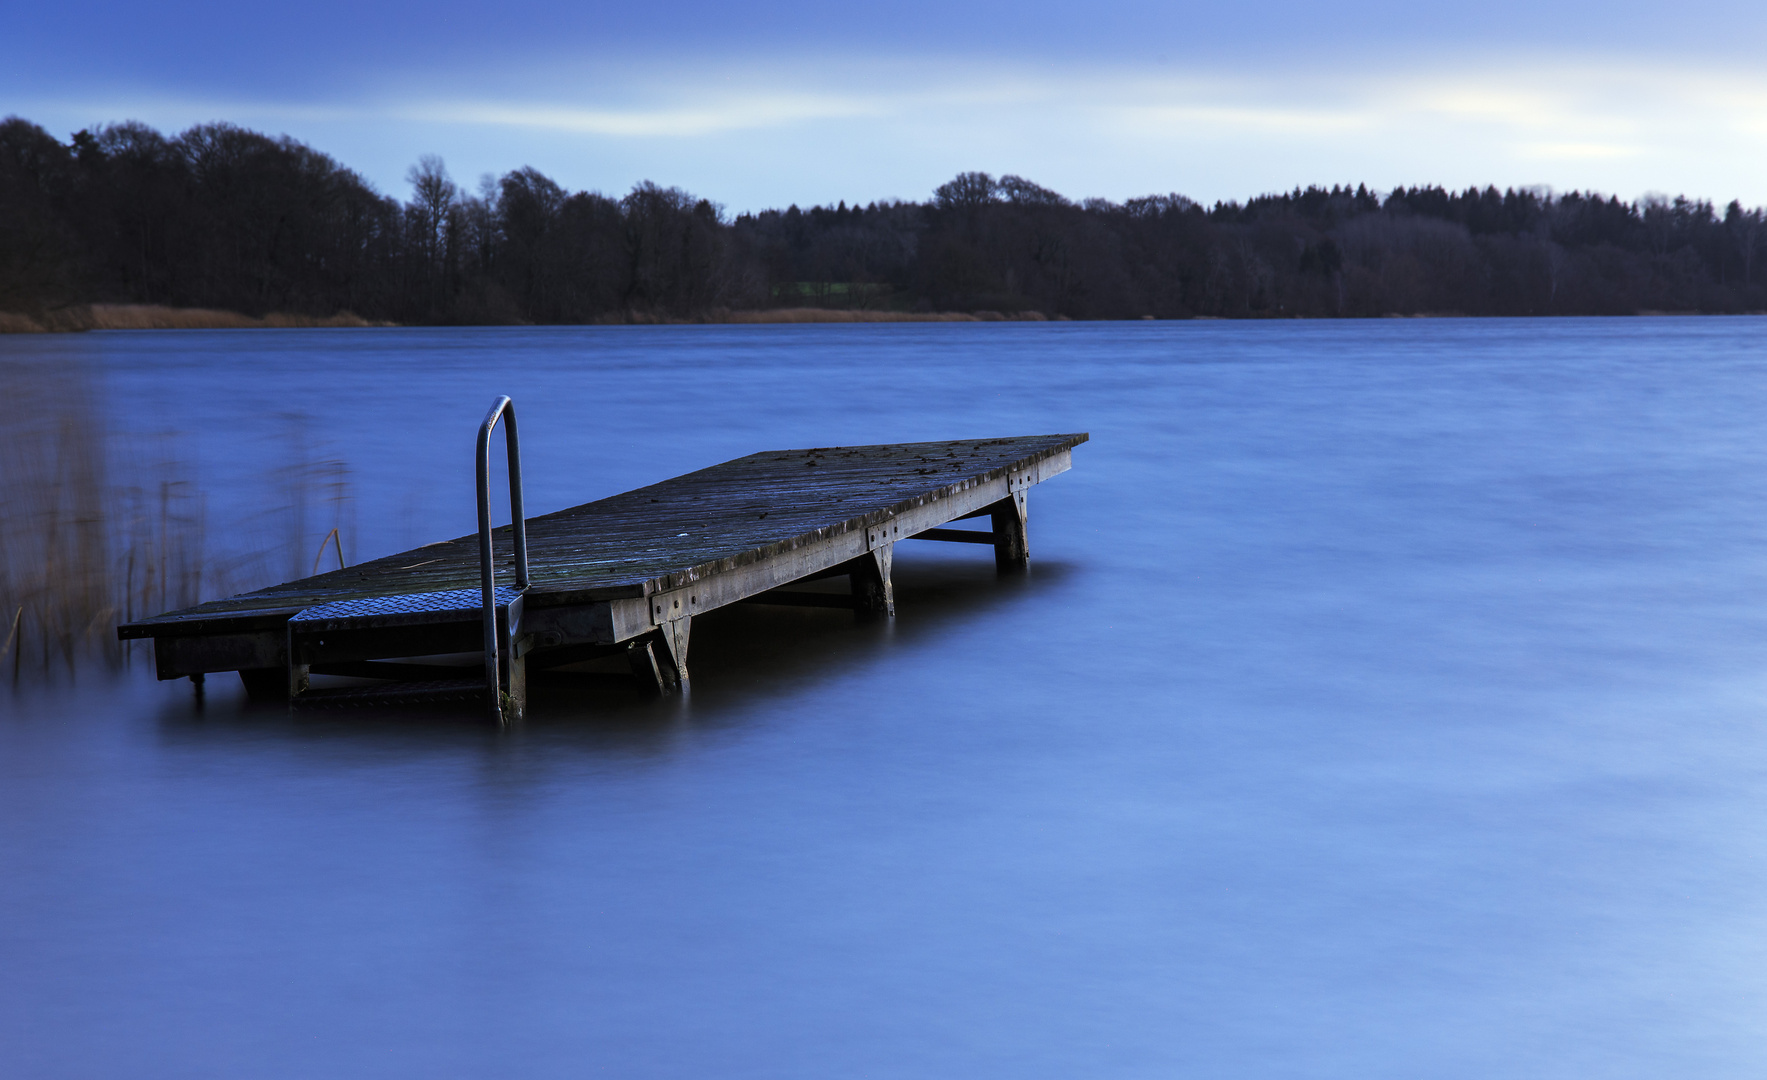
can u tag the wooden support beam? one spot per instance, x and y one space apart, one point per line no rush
787 598
838 570
177 657
554 656
955 536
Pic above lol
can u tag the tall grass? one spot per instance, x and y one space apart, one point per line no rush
96 529
857 315
57 591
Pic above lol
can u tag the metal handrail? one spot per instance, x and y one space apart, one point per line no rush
504 408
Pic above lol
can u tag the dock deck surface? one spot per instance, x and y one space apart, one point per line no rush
716 536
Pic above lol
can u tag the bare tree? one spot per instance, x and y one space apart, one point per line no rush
1746 228
433 197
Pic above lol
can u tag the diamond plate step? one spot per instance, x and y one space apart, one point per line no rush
405 609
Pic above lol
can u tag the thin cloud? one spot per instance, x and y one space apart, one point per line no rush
739 115
851 125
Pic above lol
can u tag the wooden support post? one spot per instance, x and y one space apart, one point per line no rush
873 593
512 672
644 666
671 654
1012 544
513 645
297 680
297 670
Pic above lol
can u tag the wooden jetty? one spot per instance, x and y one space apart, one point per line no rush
625 574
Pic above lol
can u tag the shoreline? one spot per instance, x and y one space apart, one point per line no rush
83 317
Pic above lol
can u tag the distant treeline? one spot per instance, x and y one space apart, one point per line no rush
221 217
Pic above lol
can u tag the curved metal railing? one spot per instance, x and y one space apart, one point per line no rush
505 409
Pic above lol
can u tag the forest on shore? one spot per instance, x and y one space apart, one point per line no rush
225 218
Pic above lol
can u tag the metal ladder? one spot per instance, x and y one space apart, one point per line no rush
351 634
508 697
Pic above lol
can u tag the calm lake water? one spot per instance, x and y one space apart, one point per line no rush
1387 699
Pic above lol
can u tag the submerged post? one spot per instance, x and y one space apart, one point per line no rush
504 408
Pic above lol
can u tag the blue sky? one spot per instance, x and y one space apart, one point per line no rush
768 103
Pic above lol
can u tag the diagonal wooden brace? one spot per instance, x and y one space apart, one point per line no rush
670 649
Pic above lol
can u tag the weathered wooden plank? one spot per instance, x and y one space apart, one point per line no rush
180 656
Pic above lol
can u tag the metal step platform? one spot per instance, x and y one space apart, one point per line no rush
336 638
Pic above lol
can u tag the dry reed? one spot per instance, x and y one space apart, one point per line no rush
94 532
858 315
156 317
14 322
59 587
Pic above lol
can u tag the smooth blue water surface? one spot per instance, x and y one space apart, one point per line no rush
1387 699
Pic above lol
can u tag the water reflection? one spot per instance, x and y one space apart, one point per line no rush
1384 701
744 657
